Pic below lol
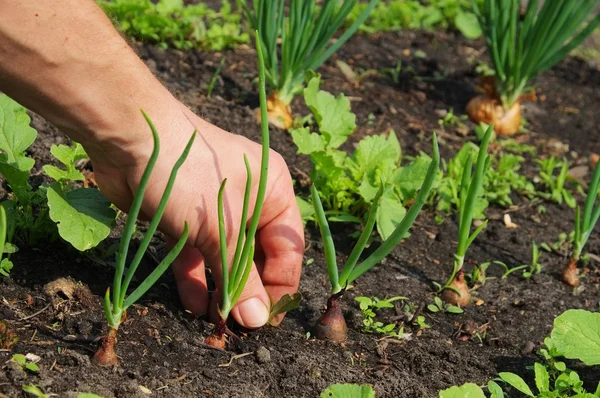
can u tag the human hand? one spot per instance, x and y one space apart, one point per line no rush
215 155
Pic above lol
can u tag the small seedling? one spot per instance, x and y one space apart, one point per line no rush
234 278
555 186
535 267
393 73
439 306
421 323
455 291
369 307
213 80
115 311
584 225
450 119
35 390
27 362
331 325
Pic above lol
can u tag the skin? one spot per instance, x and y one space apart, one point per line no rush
65 61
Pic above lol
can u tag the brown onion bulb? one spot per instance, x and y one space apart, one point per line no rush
332 325
490 111
451 297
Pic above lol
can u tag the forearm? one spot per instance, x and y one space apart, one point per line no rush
64 60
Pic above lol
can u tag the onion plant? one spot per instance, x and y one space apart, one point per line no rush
331 325
455 291
304 38
584 225
523 46
234 276
117 301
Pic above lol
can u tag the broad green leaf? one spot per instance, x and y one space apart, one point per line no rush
495 390
517 382
17 180
576 335
306 209
67 156
307 142
35 390
468 24
15 134
410 177
395 145
374 153
20 359
348 391
389 214
84 215
468 390
285 304
88 395
542 378
336 121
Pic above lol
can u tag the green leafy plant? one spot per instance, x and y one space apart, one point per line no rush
234 276
348 391
171 23
500 180
554 186
522 47
304 39
115 309
575 335
395 15
348 184
331 325
584 226
83 215
369 307
26 363
439 306
455 291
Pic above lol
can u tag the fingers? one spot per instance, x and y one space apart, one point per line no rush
191 280
253 306
282 245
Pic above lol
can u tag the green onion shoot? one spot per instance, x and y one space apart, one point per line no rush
235 276
117 301
331 325
456 291
584 225
523 46
305 40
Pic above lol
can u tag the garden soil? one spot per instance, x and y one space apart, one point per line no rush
161 346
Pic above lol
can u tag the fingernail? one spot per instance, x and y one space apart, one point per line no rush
253 312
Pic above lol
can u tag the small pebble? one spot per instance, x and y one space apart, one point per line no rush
528 348
263 355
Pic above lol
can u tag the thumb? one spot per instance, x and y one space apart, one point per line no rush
253 307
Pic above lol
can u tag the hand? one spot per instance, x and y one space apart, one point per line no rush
215 155
93 94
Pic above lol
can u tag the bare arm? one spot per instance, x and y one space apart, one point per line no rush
65 61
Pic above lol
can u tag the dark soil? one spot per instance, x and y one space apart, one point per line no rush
161 346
